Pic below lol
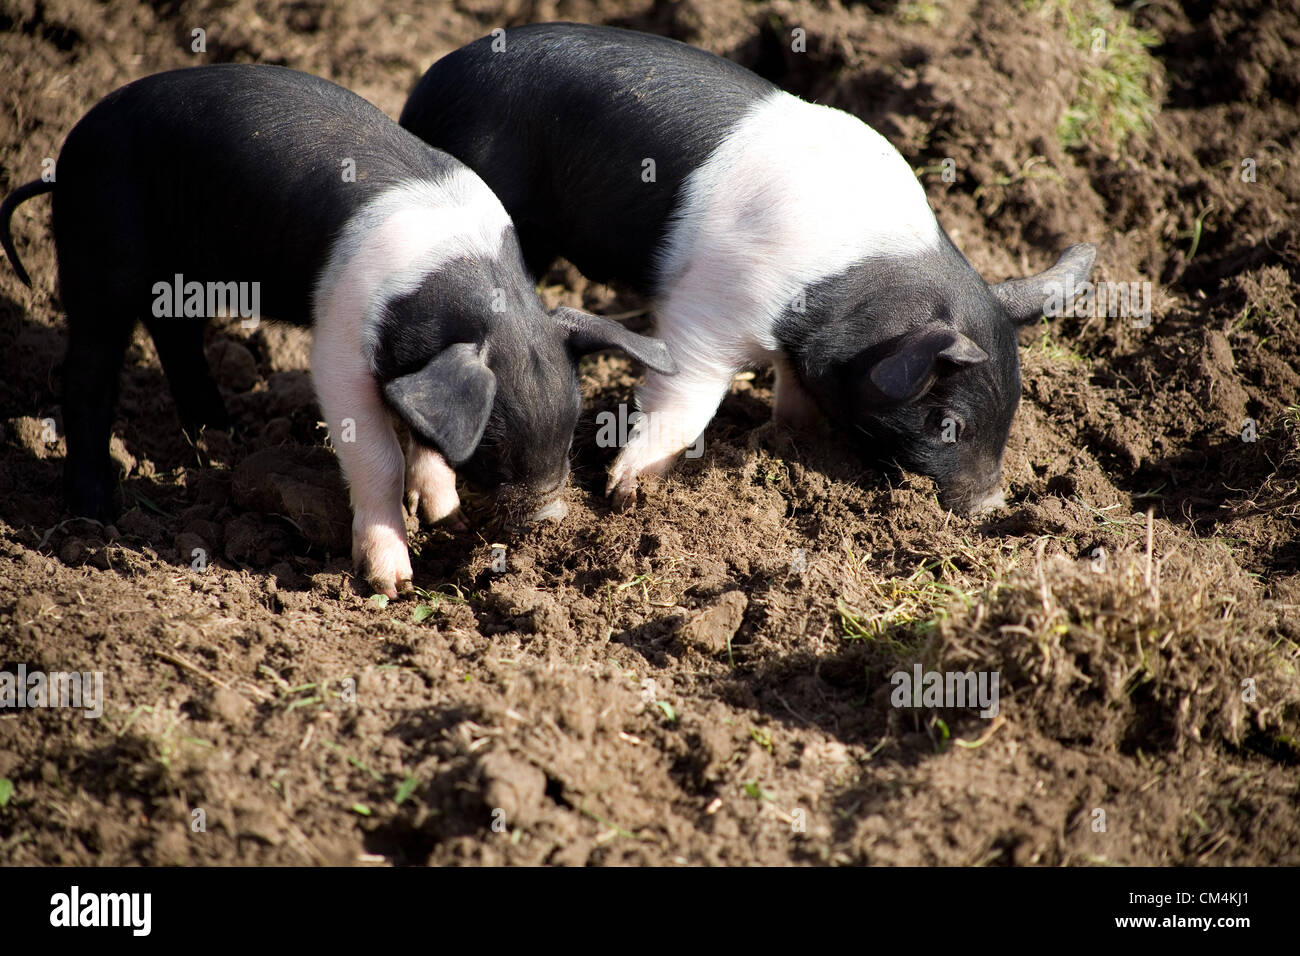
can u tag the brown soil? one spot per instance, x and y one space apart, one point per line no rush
705 679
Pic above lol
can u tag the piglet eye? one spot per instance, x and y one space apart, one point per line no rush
951 426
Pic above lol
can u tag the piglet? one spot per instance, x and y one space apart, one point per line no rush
769 230
201 191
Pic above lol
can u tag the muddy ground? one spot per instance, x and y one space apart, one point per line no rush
707 679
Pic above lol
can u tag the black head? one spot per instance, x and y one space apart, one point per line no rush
500 399
940 403
920 359
525 445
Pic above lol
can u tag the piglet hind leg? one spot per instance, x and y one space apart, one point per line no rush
677 408
431 487
371 458
180 350
91 369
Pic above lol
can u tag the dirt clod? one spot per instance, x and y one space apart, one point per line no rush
303 485
512 786
712 629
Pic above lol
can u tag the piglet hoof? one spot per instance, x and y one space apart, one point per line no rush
383 564
620 488
379 583
431 510
431 488
622 496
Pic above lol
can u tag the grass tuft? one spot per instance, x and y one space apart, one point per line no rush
1120 87
1155 653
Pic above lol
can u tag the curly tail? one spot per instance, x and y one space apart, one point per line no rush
12 202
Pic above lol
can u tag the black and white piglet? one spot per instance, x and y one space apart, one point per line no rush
768 229
402 260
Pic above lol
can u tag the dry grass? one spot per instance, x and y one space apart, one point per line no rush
1150 653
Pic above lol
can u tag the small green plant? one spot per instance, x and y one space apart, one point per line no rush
1035 167
6 791
1197 230
942 739
352 760
429 601
406 789
928 12
752 789
614 828
1052 349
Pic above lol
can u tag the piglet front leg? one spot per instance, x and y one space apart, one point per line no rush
792 406
431 486
371 458
677 409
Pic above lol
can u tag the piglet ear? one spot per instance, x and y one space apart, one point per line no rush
447 403
591 333
908 373
1025 299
